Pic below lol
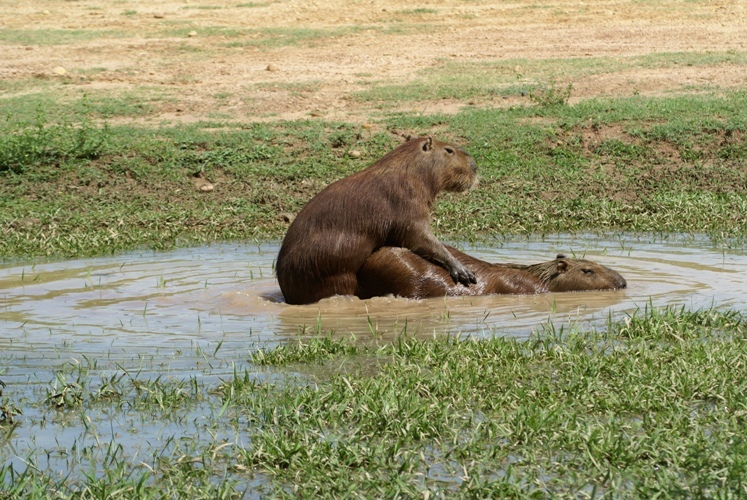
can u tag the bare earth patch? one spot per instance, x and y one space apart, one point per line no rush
268 60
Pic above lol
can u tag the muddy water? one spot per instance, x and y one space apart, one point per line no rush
143 303
196 313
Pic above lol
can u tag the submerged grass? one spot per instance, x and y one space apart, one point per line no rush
79 186
315 350
653 405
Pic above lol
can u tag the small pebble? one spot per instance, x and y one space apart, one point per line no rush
286 217
192 33
59 70
272 67
206 188
355 154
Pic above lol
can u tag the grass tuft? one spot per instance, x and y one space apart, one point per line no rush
316 350
550 94
34 144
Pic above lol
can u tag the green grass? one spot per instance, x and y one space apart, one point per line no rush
417 12
460 80
23 85
63 104
564 413
267 38
77 186
53 36
653 405
273 38
312 352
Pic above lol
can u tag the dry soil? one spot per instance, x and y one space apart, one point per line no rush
282 59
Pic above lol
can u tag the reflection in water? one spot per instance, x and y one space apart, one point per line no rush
142 302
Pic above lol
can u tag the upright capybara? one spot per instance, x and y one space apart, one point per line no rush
397 271
387 204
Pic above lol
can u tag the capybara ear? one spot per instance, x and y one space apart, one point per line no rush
560 256
562 265
428 144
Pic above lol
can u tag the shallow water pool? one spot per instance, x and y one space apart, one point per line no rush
195 314
140 304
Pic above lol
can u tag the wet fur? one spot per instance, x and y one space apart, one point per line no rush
397 271
386 204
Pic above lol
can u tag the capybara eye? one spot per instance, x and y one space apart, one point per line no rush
449 150
588 271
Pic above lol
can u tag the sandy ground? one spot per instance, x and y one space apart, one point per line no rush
206 55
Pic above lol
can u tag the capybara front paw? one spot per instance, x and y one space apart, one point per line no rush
463 276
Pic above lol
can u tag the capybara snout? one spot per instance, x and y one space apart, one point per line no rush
462 172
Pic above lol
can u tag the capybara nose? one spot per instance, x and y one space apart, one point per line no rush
473 165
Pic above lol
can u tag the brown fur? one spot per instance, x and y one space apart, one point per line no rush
386 204
397 271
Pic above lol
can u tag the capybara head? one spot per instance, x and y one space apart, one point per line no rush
442 166
565 275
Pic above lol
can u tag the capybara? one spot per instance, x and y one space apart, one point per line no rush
386 204
397 271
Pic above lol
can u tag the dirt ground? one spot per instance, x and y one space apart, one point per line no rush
211 56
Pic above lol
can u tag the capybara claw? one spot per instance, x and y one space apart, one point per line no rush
463 276
467 278
455 276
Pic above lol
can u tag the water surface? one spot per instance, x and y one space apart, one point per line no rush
142 303
196 314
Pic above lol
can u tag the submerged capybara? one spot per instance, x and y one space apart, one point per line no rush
397 271
386 204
